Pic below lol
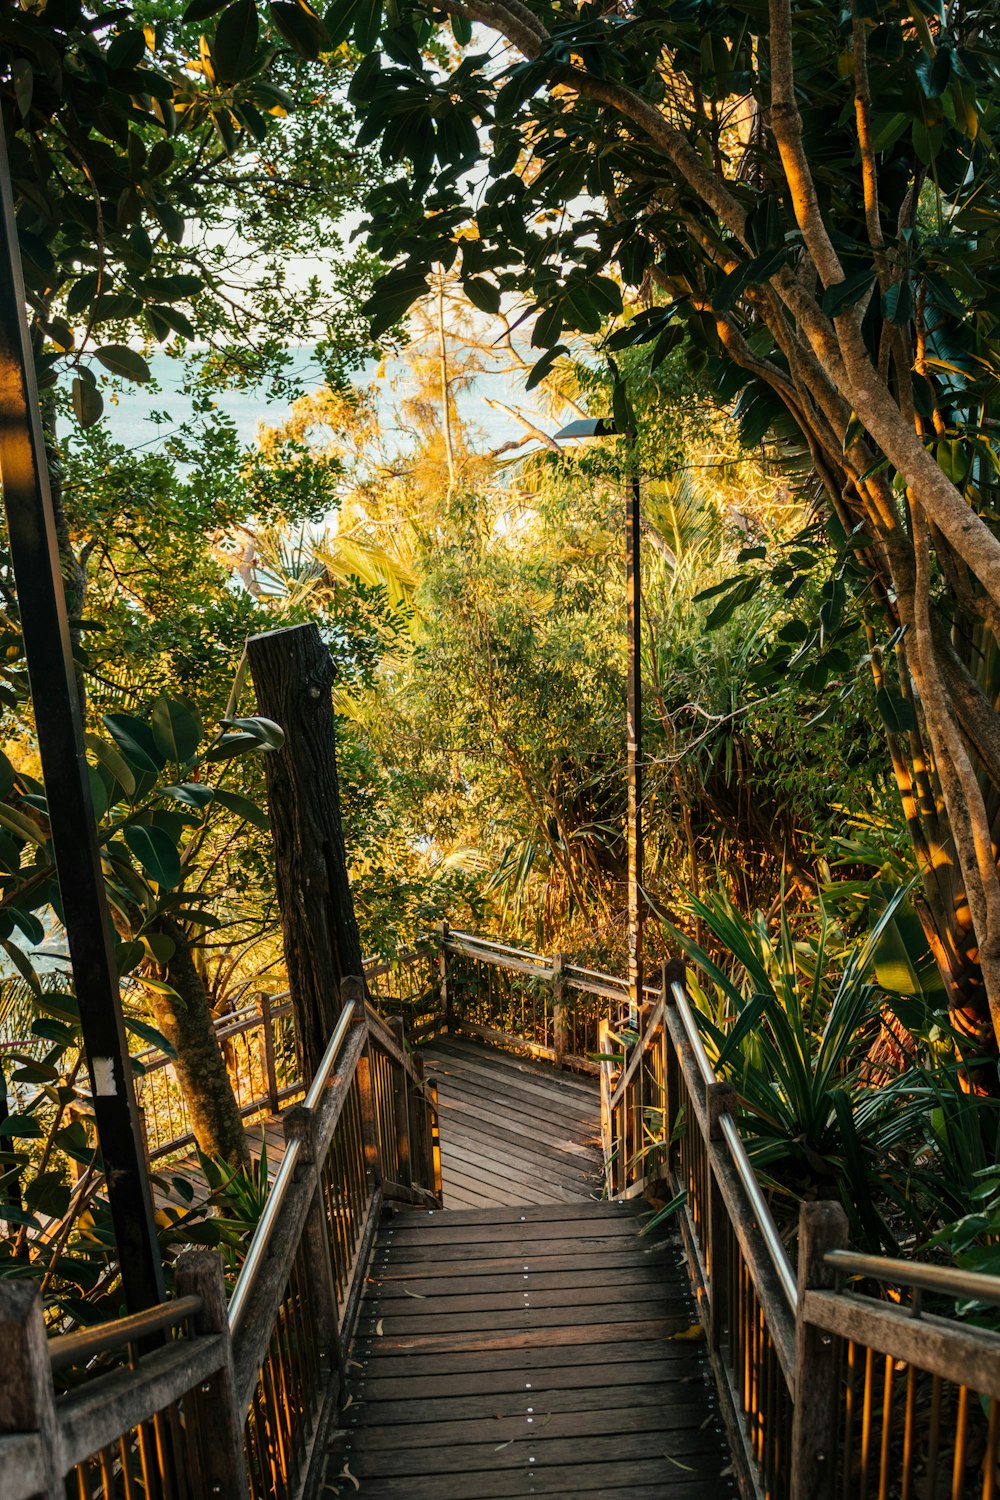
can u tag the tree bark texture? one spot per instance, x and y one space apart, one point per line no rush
293 675
188 1024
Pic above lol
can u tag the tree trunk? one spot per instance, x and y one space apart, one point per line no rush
293 675
200 1066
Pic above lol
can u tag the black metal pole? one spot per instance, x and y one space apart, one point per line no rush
635 849
42 604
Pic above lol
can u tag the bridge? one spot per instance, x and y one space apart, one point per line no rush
460 1285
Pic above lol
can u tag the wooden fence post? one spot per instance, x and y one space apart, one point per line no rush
720 1099
353 988
671 972
27 1398
298 1123
442 961
223 1469
270 1071
607 1124
560 1014
293 674
402 1102
822 1228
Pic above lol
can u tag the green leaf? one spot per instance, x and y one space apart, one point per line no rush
897 303
544 366
201 10
88 403
482 294
837 299
265 731
244 808
301 27
121 360
21 1127
151 1035
176 728
112 762
156 855
897 712
24 84
235 44
135 739
196 794
461 30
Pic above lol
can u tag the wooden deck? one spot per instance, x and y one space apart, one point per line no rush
534 1342
526 1351
512 1130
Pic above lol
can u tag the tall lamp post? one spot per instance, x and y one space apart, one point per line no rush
41 601
596 427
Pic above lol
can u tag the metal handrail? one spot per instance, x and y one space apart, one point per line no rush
759 1204
73 1348
260 1245
975 1286
693 1034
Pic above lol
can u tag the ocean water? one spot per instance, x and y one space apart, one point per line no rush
134 412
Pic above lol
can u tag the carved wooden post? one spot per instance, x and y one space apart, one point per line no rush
822 1228
219 1422
293 675
446 1006
27 1399
560 1015
720 1099
353 988
298 1124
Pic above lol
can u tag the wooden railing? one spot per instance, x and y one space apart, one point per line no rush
258 1043
230 1402
829 1392
514 997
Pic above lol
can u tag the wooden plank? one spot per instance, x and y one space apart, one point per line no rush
439 1231
601 1396
652 1480
578 1367
607 1292
586 1256
696 1449
579 1169
533 1425
479 1343
536 1121
466 1111
542 1212
409 1322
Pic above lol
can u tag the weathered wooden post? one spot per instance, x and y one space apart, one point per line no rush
293 675
401 1109
219 1421
720 1099
560 1013
607 1126
822 1228
442 962
27 1398
353 988
671 973
270 1070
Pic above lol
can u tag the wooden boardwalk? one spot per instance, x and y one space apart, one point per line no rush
521 1348
512 1130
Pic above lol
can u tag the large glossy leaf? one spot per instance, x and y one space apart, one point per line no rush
235 44
156 855
136 741
176 729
